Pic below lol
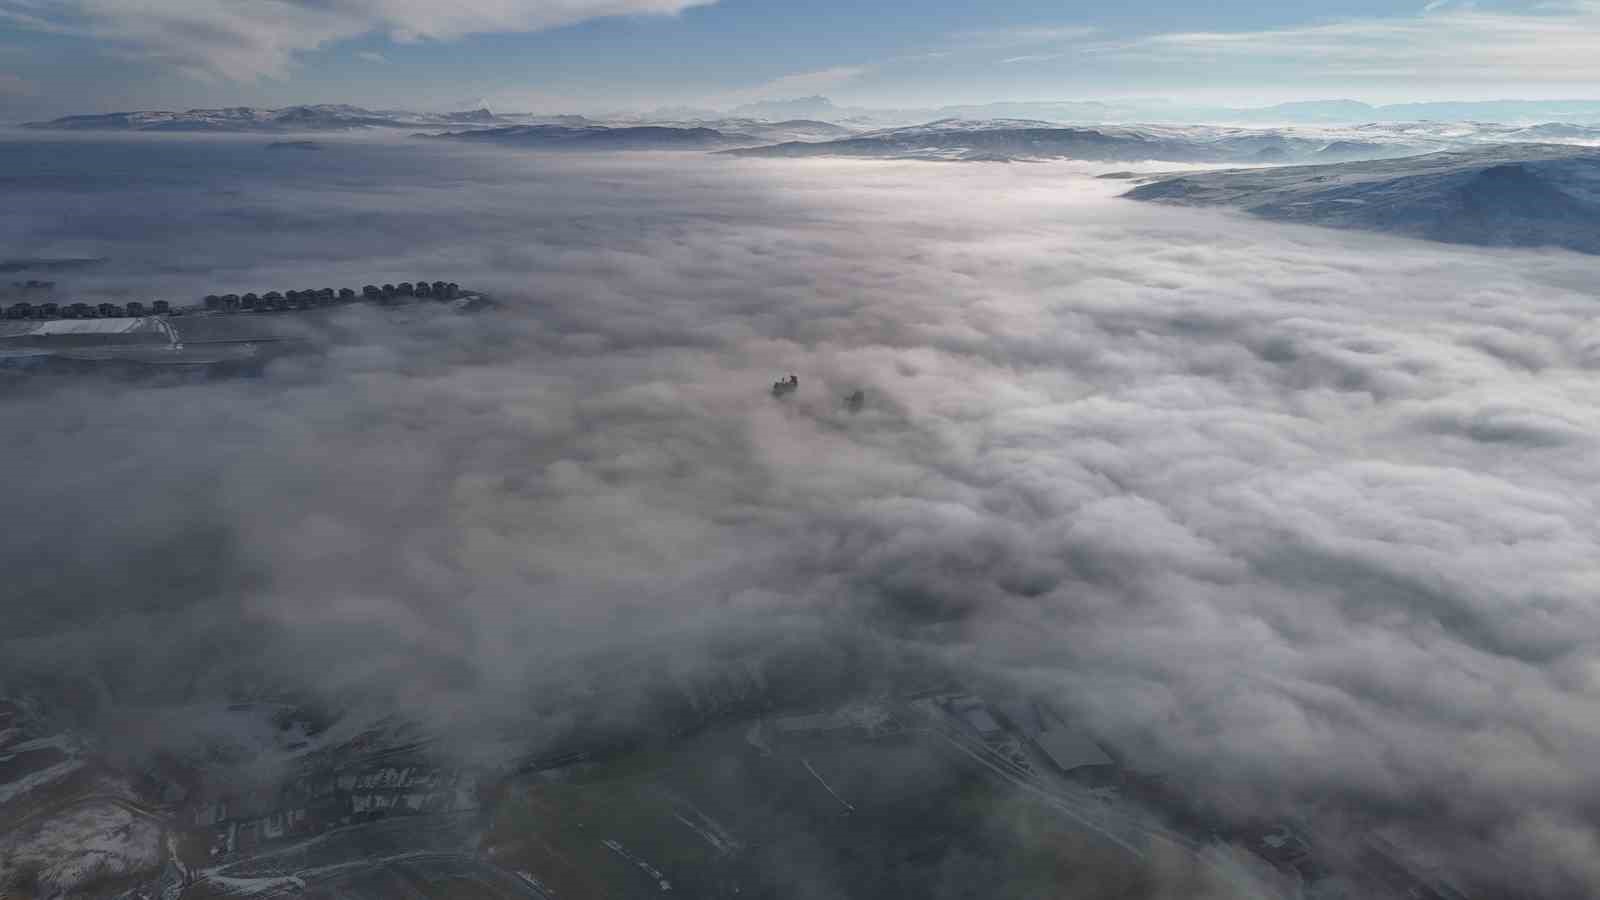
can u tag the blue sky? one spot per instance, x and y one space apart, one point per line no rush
59 56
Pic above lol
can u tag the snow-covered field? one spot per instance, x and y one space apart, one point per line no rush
91 842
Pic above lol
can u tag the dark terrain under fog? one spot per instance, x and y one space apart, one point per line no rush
1104 549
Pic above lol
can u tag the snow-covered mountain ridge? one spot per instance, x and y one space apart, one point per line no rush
1515 195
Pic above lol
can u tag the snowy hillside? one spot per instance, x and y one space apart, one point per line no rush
1518 195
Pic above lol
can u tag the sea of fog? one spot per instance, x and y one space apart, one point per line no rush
1307 519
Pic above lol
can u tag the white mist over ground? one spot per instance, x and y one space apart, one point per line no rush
1307 517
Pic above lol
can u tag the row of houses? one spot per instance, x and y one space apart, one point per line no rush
271 301
316 803
274 300
49 311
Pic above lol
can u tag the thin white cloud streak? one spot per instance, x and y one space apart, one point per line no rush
261 38
1014 37
1002 38
1560 44
1032 57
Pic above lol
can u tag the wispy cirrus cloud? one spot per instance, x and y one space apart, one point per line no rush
1043 41
1018 37
1554 43
250 40
1032 57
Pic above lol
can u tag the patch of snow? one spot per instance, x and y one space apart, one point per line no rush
87 843
95 326
254 885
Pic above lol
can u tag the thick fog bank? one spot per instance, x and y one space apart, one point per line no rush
1305 518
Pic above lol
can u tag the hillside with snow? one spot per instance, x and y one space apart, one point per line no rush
1529 195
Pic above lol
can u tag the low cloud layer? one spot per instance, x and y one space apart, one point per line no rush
1306 518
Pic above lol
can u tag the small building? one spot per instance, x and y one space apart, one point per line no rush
326 296
161 307
424 289
371 291
230 301
981 721
1071 750
135 308
48 311
110 311
405 289
272 295
249 301
346 294
975 715
19 310
213 302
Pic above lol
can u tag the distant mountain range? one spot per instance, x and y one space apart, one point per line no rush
951 138
321 117
1011 139
820 113
1530 195
1348 112
600 137
566 131
685 136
